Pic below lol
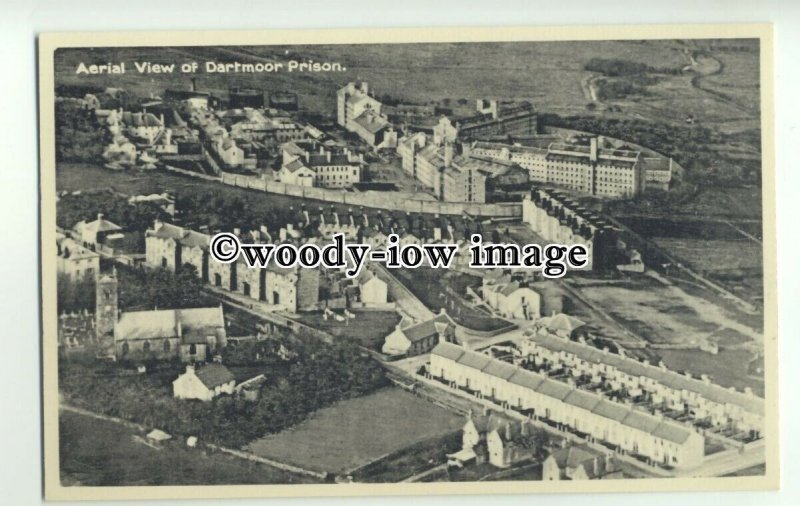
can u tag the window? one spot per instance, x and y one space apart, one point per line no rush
166 345
125 348
146 346
193 349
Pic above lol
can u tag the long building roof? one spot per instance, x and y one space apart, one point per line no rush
567 393
635 368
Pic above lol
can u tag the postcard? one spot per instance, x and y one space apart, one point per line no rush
408 261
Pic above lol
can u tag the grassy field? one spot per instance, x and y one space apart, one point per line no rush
100 453
369 327
355 432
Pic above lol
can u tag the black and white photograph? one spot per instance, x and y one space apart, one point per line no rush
390 262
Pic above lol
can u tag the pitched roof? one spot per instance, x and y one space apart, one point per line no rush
641 421
98 225
582 399
571 457
525 379
555 389
671 432
163 323
635 368
500 369
426 329
214 375
474 360
448 350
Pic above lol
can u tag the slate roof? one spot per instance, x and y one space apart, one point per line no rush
448 350
635 368
426 329
214 375
194 323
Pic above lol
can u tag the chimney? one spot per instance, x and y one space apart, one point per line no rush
161 117
237 231
305 215
748 391
99 216
593 149
448 154
265 232
190 368
705 379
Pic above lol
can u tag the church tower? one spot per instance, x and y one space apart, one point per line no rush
106 304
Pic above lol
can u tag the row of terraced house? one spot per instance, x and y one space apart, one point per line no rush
563 405
654 386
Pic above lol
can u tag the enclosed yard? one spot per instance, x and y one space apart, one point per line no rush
369 327
355 432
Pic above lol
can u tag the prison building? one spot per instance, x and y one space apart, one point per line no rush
591 169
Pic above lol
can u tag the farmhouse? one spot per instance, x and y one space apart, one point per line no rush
203 382
95 232
510 299
421 337
576 463
566 407
491 438
75 261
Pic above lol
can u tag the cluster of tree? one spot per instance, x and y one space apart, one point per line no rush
223 211
79 137
74 208
146 289
73 295
610 89
318 376
616 67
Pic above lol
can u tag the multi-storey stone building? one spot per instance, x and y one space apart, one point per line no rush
560 220
308 163
591 169
362 114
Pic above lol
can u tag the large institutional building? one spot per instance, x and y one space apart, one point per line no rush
562 404
492 119
362 114
592 169
308 163
560 220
